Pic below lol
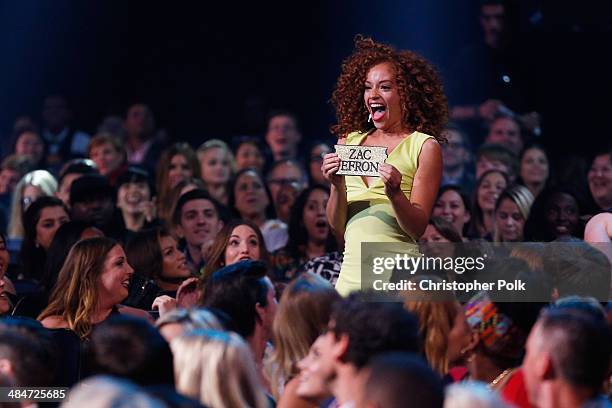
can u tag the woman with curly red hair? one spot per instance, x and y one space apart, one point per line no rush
394 99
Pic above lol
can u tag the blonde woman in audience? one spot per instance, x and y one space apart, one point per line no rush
217 166
302 315
179 321
34 184
511 212
217 368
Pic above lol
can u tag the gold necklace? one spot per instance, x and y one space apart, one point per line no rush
500 377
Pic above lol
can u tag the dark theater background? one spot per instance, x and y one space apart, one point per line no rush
214 69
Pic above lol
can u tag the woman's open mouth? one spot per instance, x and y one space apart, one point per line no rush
378 111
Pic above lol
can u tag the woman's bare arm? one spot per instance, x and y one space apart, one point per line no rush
413 215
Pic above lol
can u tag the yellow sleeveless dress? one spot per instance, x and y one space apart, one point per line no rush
370 215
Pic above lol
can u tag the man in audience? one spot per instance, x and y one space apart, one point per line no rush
505 130
129 347
63 142
140 143
358 331
12 169
92 200
25 359
69 173
244 292
600 180
395 376
456 158
283 135
492 156
567 359
197 218
285 172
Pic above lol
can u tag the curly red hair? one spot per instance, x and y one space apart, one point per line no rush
424 105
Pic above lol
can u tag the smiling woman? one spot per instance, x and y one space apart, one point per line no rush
93 281
393 99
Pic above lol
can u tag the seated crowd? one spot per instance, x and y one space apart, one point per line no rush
133 267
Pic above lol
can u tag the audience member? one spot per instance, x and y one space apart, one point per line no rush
302 315
178 162
488 189
71 171
285 172
217 167
237 241
154 255
357 332
554 214
399 380
40 222
165 210
202 355
92 283
454 206
92 200
180 321
445 334
496 351
108 152
309 234
511 212
505 130
534 169
131 348
135 199
472 395
567 360
283 135
249 154
63 142
285 200
140 139
29 144
496 157
244 292
317 152
600 180
33 185
251 201
457 159
105 391
197 218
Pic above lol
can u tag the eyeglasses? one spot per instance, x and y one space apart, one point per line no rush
283 181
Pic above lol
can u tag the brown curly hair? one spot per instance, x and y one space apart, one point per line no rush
424 105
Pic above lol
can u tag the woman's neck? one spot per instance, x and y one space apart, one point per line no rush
133 221
487 221
535 187
482 369
315 249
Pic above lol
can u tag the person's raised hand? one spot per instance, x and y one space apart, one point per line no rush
329 168
164 304
392 179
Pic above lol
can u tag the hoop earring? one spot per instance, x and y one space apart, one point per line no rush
369 118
